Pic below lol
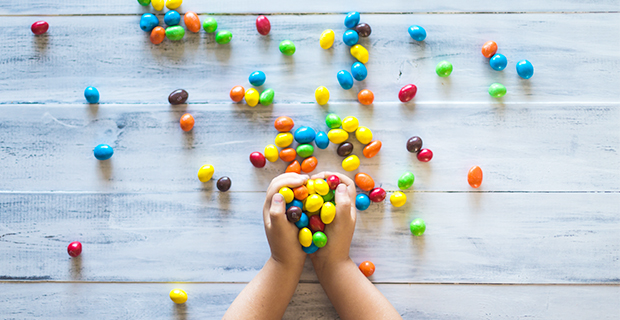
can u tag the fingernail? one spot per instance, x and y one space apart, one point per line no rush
278 198
341 188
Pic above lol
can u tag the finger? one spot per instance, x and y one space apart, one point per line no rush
343 178
277 210
283 180
343 201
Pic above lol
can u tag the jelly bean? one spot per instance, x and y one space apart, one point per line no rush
284 139
186 122
407 92
321 187
345 79
237 93
178 96
205 173
328 212
406 180
300 193
327 39
304 135
294 167
310 186
172 18
417 227
498 62
321 140
103 152
192 22
360 53
41 27
74 248
443 68
293 214
363 30
337 135
252 97
309 164
350 124
359 71
305 150
158 34
295 203
371 149
223 37
288 154
364 181
148 22
363 135
417 33
497 90
489 48
287 193
474 177
271 153
425 155
350 163
178 296
367 268
91 94
362 202
377 195
175 33
333 181
266 97
344 149
303 221
257 78
398 199
352 19
329 196
525 69
287 47
314 202
257 159
321 94
263 26
223 184
333 121
315 224
283 124
158 5
209 25
311 249
366 97
350 37
144 2
319 239
173 4
414 144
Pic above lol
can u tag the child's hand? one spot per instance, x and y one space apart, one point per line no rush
282 234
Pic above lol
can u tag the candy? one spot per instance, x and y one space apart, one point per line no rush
172 18
283 124
367 268
327 39
173 4
284 139
305 150
178 96
293 214
414 144
41 27
489 48
377 195
223 37
192 22
417 227
337 135
360 53
406 180
417 33
425 155
74 248
321 187
303 221
209 25
237 93
525 69
474 177
371 149
158 34
178 296
294 167
175 33
364 181
309 164
398 199
148 21
295 203
263 26
350 37
271 153
319 239
310 186
266 97
333 181
288 154
350 163
328 212
344 149
359 71
350 124
363 30
257 78
223 184
329 196
345 79
363 135
497 90
252 97
103 152
186 122
300 193
304 135
144 2
352 19
321 94
443 68
407 92
321 140
315 224
257 159
498 62
362 202
287 193
158 5
333 121
287 47
365 97
91 94
205 173
311 249
314 202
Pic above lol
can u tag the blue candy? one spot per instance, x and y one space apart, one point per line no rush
257 78
352 19
321 140
103 152
498 62
311 249
525 69
345 79
148 22
359 71
417 33
172 18
304 135
362 202
91 94
350 37
303 221
295 203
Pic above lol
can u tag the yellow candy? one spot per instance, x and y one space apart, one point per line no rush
350 163
287 193
271 153
310 187
205 173
178 296
284 139
363 135
158 5
337 136
398 199
328 212
327 39
314 202
305 237
173 4
360 53
350 124
321 187
321 94
251 97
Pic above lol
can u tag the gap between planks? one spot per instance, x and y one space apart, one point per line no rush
387 190
228 103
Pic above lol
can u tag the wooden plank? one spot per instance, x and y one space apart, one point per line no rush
116 300
523 147
209 236
113 54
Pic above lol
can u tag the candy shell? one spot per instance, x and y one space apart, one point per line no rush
333 181
263 26
417 33
497 90
271 153
257 78
367 268
443 68
283 124
321 140
407 92
315 224
321 94
363 135
41 27
525 69
178 296
309 164
178 96
314 202
311 249
328 212
148 21
425 155
351 19
266 97
257 159
304 134
209 25
362 202
363 30
321 187
158 5
414 144
345 79
252 97
192 22
377 195
310 186
158 34
350 37
350 124
223 37
498 62
305 150
300 193
173 4
91 94
295 203
294 167
288 154
103 152
327 39
333 121
223 184
371 149
287 47
489 48
329 196
319 239
360 53
344 149
172 18
359 71
406 180
417 227
74 248
175 33
365 97
237 93
337 136
364 181
293 214
186 122
350 163
398 199
474 177
205 173
144 2
303 221
284 139
287 193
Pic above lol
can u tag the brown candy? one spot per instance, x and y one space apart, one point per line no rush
414 144
293 214
178 96
363 29
344 149
223 184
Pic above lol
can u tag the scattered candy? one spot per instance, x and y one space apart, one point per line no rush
352 19
321 94
344 149
321 140
148 22
474 177
359 71
337 136
489 48
237 93
178 96
173 4
158 5
284 139
192 22
205 173
309 164
41 27
367 268
425 155
91 94
525 69
257 78
350 163
303 221
287 193
288 154
407 92
74 249
498 62
284 124
443 68
414 144
406 180
350 37
417 227
377 195
417 33
271 153
350 124
257 159
287 47
223 37
294 167
175 33
327 39
333 121
333 181
263 26
158 34
144 2
362 202
360 53
266 97
178 296
363 135
398 199
186 122
209 25
319 239
363 30
365 97
223 184
497 90
364 181
371 149
304 135
294 214
315 224
172 18
328 212
252 97
103 152
345 79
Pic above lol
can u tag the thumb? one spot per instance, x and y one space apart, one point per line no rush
343 201
277 211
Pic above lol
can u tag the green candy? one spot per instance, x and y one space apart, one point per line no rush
223 37
175 33
266 98
209 25
329 196
406 180
319 239
287 47
333 121
417 227
144 2
443 68
305 150
497 90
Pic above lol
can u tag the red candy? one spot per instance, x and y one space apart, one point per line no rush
257 159
367 268
425 155
315 224
333 181
40 27
263 25
407 92
377 195
74 249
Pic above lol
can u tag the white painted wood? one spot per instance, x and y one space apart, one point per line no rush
114 55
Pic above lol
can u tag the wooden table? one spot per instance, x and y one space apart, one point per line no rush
540 239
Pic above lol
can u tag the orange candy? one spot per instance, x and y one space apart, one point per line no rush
366 97
489 49
237 93
158 34
294 167
364 181
309 164
371 149
192 22
284 124
288 154
187 122
474 177
300 193
367 268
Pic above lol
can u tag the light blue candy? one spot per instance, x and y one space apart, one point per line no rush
321 140
350 37
345 79
352 19
148 22
91 94
311 249
257 78
295 203
417 33
362 202
359 71
172 18
498 62
303 221
103 152
525 69
304 135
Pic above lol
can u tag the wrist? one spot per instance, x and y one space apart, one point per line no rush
324 267
287 265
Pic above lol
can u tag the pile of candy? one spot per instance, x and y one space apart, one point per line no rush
252 97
